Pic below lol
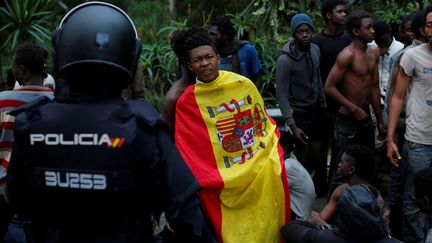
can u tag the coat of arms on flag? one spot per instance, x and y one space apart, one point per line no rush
238 132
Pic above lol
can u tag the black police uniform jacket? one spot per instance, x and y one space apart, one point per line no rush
97 171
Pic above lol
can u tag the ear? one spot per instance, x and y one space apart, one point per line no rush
22 69
189 66
352 170
328 15
355 31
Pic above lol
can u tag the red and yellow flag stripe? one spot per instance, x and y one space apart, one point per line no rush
232 147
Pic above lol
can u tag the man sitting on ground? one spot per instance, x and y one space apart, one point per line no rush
362 217
356 166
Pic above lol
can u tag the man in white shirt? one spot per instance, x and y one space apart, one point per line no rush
388 46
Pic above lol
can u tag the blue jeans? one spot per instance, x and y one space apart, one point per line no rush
15 233
419 156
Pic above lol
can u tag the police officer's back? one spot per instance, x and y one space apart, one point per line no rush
91 167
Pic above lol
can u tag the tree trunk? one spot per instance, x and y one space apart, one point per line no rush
172 7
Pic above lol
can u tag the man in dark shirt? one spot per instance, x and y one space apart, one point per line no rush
331 41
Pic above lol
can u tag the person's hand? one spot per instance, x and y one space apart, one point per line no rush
359 114
315 219
299 135
393 153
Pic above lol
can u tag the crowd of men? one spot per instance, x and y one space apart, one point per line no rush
82 164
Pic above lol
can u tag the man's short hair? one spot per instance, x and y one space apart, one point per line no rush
184 41
405 19
328 7
225 26
363 159
428 10
355 19
423 182
31 56
418 22
381 28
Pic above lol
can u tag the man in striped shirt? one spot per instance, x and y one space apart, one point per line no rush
28 69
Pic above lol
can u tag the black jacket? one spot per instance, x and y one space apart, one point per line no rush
98 170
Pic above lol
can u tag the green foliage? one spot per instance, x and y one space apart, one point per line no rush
243 24
393 12
159 63
266 21
148 17
269 51
277 14
157 60
424 3
27 20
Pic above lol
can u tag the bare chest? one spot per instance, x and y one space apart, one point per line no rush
363 64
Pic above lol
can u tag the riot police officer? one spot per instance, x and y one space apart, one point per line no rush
89 166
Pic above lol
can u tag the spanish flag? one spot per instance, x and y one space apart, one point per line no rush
232 147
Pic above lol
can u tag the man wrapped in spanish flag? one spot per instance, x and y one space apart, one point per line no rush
232 147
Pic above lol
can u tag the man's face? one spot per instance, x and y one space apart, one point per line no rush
216 35
204 61
407 33
345 167
428 27
303 35
338 15
366 31
383 42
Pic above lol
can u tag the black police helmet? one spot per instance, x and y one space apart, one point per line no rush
98 40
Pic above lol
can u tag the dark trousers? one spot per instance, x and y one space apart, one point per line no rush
349 131
396 188
312 156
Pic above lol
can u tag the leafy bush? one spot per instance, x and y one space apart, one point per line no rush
26 20
266 21
158 61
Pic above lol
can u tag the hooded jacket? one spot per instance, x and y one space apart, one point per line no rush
298 81
359 215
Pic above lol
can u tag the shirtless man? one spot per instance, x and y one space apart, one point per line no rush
187 78
353 82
